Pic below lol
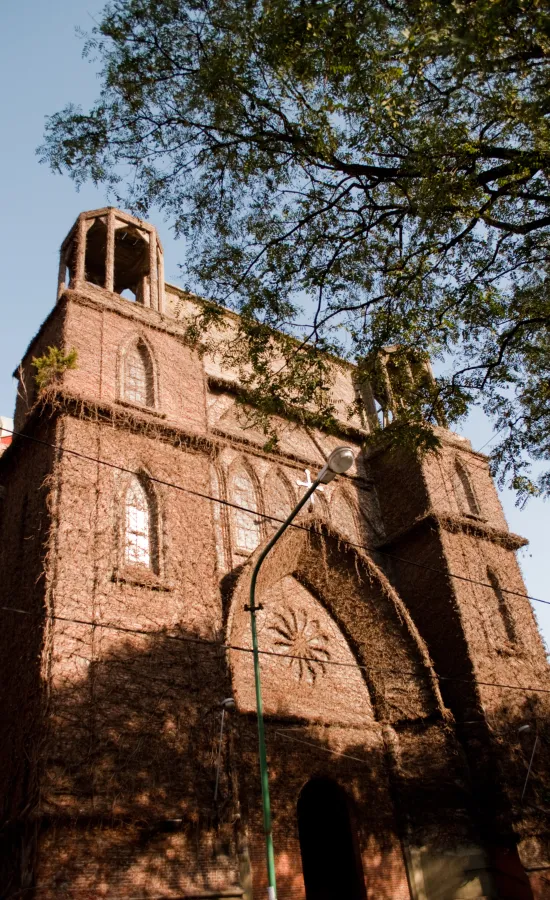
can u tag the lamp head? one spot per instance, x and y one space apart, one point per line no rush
339 461
524 728
228 703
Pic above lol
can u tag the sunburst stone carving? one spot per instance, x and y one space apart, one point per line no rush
303 640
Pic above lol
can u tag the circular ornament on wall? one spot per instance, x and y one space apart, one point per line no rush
302 638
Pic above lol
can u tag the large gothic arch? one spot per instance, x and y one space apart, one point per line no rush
336 619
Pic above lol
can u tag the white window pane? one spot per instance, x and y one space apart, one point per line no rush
137 536
247 533
138 375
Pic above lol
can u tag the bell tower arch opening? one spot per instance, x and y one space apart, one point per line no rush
331 862
132 263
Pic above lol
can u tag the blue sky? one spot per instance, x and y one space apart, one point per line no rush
41 69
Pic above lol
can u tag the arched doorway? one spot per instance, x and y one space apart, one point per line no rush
330 860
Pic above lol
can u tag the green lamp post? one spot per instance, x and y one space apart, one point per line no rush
338 462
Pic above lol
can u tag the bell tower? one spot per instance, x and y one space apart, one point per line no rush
114 251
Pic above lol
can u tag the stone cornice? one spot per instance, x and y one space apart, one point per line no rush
447 438
141 421
456 525
231 386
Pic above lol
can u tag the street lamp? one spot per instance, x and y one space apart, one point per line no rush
338 462
228 703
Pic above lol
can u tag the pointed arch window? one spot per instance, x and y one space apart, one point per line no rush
246 525
139 526
343 517
503 608
321 508
138 375
278 499
218 513
466 497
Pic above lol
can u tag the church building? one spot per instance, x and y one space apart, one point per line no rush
405 684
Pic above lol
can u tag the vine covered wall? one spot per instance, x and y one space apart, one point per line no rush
403 657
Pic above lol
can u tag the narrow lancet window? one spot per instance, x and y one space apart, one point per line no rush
503 608
218 514
138 375
246 525
467 501
138 526
278 500
343 517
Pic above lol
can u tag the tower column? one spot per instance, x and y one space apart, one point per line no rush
153 276
160 286
62 273
80 273
110 255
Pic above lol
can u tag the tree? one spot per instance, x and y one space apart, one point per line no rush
351 173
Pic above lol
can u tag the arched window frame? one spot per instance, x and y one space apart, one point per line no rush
321 508
151 563
222 529
236 516
469 506
272 477
506 616
341 496
141 343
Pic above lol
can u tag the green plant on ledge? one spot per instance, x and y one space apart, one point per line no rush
51 365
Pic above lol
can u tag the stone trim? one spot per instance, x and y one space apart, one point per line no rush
238 442
137 407
150 581
480 528
205 895
231 386
127 416
456 524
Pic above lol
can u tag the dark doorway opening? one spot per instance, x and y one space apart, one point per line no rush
330 857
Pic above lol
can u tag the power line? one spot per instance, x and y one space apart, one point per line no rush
254 512
223 646
493 436
287 737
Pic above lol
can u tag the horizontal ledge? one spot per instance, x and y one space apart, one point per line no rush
481 529
231 386
279 455
88 409
141 407
203 895
135 581
456 524
79 406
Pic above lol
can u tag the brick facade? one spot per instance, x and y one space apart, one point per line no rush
391 684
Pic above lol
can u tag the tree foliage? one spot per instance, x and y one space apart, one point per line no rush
353 173
51 366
